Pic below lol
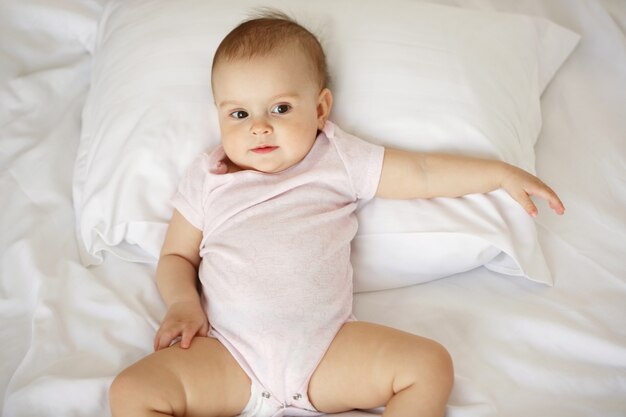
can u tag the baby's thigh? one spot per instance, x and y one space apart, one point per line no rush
201 380
367 364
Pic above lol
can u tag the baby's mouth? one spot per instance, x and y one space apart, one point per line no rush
264 149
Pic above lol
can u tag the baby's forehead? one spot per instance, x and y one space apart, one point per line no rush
290 56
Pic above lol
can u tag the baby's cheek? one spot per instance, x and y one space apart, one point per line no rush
233 150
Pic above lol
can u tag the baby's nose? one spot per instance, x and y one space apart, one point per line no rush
261 127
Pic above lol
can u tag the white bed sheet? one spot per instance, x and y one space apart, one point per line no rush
519 348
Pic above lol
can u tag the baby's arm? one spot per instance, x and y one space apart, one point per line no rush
407 175
177 274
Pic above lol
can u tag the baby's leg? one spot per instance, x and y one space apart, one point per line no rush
368 366
203 380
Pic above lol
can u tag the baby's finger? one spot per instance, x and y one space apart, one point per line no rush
204 330
165 338
158 340
555 203
163 342
187 336
557 206
527 204
159 343
550 196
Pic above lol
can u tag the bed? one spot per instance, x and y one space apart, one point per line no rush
548 339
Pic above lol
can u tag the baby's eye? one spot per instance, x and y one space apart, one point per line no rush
281 108
239 114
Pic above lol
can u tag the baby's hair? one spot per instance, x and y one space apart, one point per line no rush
267 31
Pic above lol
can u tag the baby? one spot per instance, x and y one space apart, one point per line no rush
266 220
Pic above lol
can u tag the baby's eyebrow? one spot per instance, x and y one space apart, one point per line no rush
228 103
284 96
290 95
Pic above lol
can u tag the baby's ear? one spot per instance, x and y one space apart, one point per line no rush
324 105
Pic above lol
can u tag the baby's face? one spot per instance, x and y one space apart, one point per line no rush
270 109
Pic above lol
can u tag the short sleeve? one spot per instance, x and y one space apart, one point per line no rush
363 160
189 194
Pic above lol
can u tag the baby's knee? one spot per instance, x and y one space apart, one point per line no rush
125 393
442 361
430 365
133 392
121 393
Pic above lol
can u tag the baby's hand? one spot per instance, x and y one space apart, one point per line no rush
184 319
521 185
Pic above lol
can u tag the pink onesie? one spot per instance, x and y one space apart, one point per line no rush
275 270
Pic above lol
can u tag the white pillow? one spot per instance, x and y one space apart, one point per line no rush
405 74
